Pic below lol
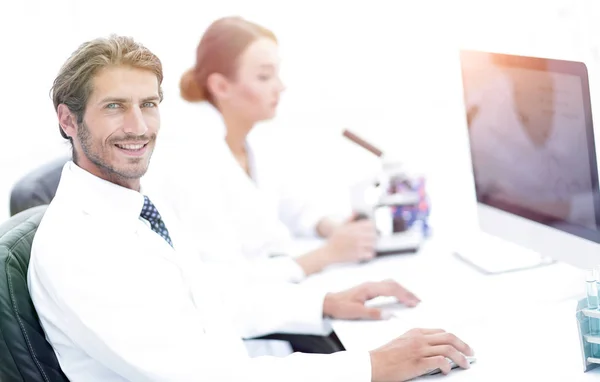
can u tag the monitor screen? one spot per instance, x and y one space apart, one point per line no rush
531 139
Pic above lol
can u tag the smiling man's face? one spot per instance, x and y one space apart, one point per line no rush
121 121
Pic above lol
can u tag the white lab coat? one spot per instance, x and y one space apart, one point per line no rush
117 303
253 218
502 151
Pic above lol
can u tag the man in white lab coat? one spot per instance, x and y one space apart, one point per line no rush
121 299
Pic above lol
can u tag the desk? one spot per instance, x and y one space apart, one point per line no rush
499 316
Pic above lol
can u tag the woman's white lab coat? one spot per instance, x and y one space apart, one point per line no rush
242 220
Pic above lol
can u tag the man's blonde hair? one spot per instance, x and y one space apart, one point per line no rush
73 85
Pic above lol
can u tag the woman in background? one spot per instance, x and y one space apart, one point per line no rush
239 196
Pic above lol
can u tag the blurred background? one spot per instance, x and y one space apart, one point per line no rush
387 70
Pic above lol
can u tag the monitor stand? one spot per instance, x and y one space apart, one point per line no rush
492 255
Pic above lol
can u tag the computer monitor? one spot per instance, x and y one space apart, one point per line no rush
533 157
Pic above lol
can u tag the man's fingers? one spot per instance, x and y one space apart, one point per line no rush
450 339
403 295
427 331
437 362
448 351
392 289
360 312
366 254
372 314
368 249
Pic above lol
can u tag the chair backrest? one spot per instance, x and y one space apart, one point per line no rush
38 187
25 355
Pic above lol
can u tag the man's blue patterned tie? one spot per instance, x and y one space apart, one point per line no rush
150 213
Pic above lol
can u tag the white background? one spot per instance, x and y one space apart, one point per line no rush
385 69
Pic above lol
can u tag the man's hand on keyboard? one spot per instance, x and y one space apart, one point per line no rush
350 304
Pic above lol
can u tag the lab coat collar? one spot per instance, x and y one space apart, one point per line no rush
213 117
100 197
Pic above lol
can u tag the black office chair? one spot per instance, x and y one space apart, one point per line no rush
38 187
25 355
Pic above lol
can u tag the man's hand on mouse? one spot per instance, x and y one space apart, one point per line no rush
350 304
416 353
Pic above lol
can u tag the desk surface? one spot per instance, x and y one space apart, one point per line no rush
521 325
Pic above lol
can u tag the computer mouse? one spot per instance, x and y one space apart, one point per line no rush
452 365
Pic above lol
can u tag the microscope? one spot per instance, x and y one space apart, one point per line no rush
396 201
